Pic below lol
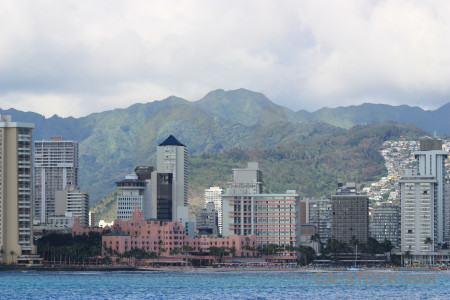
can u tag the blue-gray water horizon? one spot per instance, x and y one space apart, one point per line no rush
220 285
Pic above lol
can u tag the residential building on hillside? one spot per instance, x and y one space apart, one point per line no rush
385 223
16 192
56 167
350 214
214 195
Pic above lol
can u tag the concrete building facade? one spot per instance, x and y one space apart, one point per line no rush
350 214
130 194
424 212
385 223
207 220
431 162
273 218
214 195
317 211
73 201
56 167
418 197
16 190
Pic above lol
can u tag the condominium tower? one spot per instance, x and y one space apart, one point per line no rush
423 207
55 167
16 189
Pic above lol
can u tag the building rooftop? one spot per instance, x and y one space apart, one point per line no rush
171 141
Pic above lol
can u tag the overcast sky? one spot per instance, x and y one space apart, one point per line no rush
72 58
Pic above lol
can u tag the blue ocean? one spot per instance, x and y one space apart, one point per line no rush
204 284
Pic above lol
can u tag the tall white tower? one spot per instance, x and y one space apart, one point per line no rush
431 159
55 168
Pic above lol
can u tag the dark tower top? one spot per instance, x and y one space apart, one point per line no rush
171 141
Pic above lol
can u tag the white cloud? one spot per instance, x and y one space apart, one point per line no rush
78 57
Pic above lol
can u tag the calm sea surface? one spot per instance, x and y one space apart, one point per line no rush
224 285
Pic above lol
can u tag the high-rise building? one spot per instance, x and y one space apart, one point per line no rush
130 194
447 212
431 162
419 231
163 203
55 167
73 201
16 190
318 212
350 214
206 219
385 223
214 195
92 218
247 180
172 157
273 218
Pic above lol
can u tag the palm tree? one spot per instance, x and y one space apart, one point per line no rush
12 253
1 254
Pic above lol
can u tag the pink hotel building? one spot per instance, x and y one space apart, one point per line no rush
154 235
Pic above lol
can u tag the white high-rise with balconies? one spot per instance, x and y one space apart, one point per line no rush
55 167
423 209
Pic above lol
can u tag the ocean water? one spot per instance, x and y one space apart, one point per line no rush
224 285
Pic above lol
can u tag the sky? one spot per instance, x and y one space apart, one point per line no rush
73 58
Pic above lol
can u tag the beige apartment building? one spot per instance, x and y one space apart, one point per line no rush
16 192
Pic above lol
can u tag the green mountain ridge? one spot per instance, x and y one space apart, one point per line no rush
113 142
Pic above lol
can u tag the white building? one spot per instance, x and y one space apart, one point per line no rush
423 209
431 160
273 218
214 195
56 167
130 194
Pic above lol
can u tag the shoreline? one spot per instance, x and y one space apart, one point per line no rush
15 268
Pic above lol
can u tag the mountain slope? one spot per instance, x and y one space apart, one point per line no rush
112 143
